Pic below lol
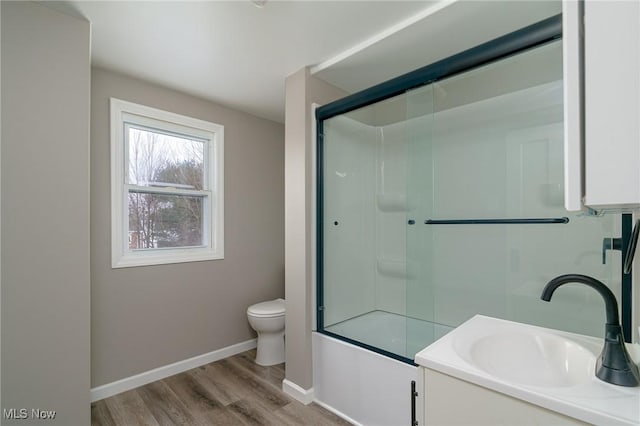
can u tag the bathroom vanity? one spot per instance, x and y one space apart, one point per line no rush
452 401
492 371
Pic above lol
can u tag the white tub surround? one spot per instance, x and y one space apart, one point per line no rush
573 392
398 334
361 386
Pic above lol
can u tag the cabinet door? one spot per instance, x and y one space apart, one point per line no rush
601 55
453 402
573 78
612 103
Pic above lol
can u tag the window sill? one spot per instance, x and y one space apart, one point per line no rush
155 258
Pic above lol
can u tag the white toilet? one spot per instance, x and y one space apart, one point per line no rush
267 319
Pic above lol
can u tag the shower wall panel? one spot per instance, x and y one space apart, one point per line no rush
502 157
391 213
349 217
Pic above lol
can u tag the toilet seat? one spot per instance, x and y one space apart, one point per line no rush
269 309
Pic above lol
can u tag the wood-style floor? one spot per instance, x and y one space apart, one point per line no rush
233 391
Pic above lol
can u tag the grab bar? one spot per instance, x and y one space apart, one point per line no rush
496 221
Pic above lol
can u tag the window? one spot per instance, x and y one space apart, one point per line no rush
167 192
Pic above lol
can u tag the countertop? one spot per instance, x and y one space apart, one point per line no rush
592 401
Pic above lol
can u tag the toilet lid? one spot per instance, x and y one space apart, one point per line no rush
270 308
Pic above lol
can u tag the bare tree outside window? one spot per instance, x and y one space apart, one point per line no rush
159 160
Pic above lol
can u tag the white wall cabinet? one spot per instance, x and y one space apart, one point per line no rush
602 104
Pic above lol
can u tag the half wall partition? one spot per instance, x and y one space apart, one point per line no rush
444 199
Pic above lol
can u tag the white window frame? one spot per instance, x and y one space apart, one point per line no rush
125 113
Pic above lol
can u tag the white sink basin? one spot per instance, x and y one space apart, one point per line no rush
545 367
528 358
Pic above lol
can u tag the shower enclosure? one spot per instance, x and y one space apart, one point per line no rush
445 200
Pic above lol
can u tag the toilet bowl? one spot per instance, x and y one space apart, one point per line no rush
267 319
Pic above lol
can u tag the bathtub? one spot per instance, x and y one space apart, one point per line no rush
363 386
390 332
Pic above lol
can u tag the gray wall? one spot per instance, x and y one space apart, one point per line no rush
45 213
147 317
302 90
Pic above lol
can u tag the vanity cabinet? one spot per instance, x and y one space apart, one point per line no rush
490 371
451 401
601 42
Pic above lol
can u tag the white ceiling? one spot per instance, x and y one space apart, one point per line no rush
230 52
238 55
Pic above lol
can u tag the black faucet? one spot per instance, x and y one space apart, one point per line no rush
614 365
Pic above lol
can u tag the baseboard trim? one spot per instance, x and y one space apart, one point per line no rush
338 413
298 393
128 383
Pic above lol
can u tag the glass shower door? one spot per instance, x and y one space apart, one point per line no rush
421 328
348 224
489 147
446 201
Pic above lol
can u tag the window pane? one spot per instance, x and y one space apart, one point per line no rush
157 221
159 159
